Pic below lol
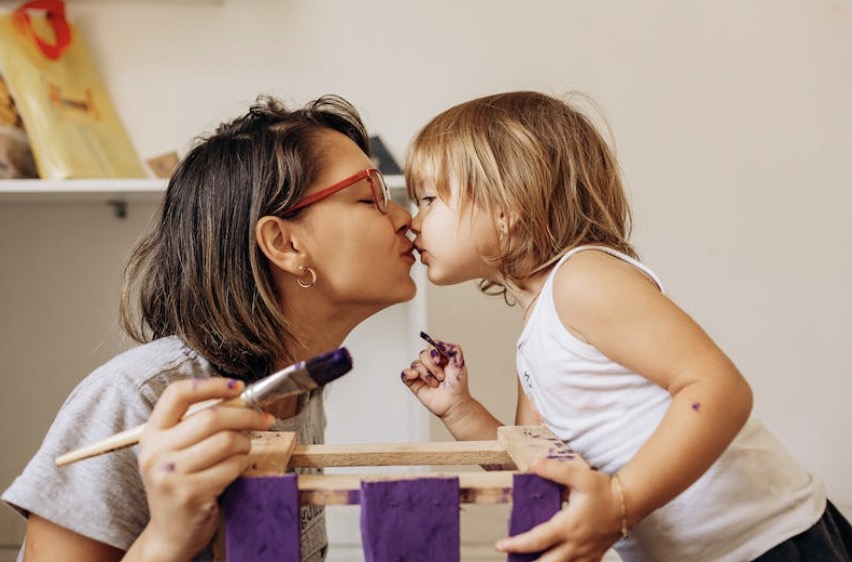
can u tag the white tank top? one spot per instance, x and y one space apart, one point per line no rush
752 498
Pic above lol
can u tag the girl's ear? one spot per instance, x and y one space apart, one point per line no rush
278 242
504 223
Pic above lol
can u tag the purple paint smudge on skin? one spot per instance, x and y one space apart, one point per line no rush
696 406
232 383
168 467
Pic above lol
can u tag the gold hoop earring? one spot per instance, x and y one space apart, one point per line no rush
312 274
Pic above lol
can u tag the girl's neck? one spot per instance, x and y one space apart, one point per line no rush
527 296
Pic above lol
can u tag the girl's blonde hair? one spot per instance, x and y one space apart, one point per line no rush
537 159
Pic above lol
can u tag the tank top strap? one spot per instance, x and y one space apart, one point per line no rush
613 252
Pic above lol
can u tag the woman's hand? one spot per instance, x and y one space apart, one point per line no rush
186 465
585 529
439 378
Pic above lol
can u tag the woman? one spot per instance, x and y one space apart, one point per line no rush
277 237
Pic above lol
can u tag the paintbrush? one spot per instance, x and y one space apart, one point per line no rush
295 379
433 343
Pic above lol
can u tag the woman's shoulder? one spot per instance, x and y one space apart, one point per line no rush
144 370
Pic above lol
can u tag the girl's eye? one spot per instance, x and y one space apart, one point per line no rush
426 201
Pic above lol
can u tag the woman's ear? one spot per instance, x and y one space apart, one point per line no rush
277 241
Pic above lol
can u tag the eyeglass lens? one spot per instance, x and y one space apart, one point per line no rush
381 190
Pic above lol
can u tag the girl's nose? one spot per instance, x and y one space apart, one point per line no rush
415 223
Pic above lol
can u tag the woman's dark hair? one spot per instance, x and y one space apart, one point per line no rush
199 273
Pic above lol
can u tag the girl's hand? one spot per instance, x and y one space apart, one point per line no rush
585 529
439 378
187 464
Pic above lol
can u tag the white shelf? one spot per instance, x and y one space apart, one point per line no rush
82 191
109 191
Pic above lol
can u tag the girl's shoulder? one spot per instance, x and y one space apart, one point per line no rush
590 270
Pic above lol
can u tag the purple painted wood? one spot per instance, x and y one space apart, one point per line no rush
534 500
262 520
414 520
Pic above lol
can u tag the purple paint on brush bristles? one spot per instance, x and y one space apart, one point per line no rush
329 366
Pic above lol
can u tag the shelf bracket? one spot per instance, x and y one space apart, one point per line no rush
119 206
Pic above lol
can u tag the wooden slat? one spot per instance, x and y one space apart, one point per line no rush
345 489
526 443
270 452
401 454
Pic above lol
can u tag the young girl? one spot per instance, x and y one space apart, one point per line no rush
277 237
521 191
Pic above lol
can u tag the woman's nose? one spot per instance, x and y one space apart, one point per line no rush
399 216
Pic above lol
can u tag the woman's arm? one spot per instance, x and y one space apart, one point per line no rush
46 540
185 467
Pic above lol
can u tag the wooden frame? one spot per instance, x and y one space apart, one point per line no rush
516 447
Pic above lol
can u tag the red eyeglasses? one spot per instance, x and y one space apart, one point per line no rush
381 193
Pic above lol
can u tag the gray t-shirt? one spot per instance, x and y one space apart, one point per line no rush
103 497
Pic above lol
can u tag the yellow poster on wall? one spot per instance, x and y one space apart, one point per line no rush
73 128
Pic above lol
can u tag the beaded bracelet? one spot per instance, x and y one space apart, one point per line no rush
624 531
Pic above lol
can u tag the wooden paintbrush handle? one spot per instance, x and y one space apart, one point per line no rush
131 436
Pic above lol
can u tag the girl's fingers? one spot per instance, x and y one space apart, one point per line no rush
565 472
435 359
538 538
419 371
429 370
180 395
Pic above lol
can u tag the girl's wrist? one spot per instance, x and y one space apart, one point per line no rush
468 419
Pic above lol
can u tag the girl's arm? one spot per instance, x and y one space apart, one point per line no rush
439 381
525 414
616 308
185 465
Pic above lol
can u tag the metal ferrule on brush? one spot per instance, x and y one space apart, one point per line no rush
293 380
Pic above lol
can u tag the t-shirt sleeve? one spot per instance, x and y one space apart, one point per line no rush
101 497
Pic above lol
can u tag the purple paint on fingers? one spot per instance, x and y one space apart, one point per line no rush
696 406
168 467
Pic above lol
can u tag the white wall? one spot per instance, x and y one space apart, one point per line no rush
732 120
